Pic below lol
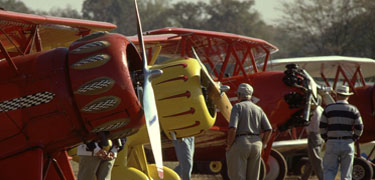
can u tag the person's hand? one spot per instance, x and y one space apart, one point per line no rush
102 154
110 156
227 148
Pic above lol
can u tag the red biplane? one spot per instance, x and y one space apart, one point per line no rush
233 59
358 74
60 86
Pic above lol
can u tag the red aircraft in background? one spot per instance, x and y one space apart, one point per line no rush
233 59
60 86
358 74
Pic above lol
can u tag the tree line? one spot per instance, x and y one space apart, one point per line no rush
305 28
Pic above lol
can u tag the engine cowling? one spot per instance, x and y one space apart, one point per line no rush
63 96
100 72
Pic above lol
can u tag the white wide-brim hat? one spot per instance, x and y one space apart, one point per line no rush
344 90
245 89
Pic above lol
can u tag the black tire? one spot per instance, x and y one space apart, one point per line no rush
362 170
277 163
263 170
209 167
301 165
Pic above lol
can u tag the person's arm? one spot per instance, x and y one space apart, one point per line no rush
266 137
358 127
233 122
323 125
230 137
267 129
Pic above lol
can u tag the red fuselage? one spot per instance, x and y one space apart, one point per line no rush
59 98
269 94
364 99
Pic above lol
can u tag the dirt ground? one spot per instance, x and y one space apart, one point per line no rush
196 176
218 177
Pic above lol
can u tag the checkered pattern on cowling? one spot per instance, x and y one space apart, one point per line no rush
96 44
110 127
92 59
26 101
100 106
95 86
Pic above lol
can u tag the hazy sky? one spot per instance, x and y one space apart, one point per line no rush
265 7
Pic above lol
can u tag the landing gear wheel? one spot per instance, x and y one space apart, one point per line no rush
361 169
300 167
209 167
277 163
373 170
215 167
263 170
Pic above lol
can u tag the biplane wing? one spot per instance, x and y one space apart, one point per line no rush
24 33
223 54
327 65
63 96
214 48
227 58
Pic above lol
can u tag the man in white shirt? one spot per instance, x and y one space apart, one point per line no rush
244 140
314 143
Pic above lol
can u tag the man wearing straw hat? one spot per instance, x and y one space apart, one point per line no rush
340 126
244 144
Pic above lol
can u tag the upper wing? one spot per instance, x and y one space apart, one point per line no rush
327 65
24 33
216 49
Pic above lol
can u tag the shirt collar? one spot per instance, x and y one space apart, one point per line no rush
342 101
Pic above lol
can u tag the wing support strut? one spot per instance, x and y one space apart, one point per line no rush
8 58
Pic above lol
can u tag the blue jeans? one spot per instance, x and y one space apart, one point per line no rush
185 153
338 152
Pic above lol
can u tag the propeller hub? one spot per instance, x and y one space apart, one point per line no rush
154 73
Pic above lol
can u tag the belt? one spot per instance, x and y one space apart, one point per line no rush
246 134
343 137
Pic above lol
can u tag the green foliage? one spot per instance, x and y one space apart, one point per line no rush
67 12
115 11
122 13
329 27
18 6
188 15
14 5
306 28
232 16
